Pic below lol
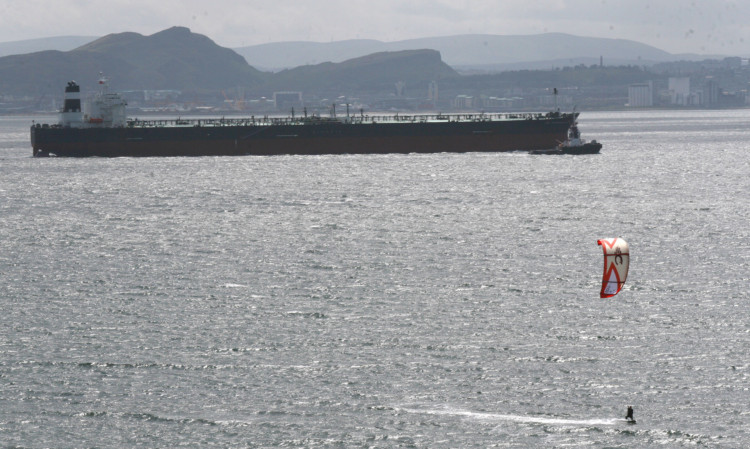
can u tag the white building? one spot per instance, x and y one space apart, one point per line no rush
679 91
463 102
641 95
432 91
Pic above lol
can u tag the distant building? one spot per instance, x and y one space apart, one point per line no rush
553 101
711 92
679 91
641 95
285 101
502 103
400 89
160 95
463 102
734 63
432 92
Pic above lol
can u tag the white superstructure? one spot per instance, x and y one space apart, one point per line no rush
105 109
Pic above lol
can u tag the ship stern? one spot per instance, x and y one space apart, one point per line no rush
35 150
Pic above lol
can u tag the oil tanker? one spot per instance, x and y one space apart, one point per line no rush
102 129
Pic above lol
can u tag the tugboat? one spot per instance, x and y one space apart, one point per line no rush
573 144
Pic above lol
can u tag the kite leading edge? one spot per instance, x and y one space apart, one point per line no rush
616 263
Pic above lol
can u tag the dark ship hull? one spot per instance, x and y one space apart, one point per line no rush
586 148
315 136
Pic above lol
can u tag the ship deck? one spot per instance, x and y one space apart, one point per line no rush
351 119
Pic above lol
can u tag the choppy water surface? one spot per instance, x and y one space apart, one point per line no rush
420 301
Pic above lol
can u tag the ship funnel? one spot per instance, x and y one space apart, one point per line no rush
72 97
71 114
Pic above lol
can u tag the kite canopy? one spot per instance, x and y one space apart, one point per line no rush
616 263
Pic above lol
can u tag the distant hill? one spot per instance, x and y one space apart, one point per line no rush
477 51
372 73
178 59
278 56
174 58
60 43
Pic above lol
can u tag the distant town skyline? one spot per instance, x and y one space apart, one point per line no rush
678 26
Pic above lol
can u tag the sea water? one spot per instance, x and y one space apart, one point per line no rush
425 301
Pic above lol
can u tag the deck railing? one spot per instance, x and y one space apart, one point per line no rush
351 119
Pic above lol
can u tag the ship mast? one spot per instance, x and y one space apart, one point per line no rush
554 90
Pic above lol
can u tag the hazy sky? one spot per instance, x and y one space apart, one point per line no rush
677 26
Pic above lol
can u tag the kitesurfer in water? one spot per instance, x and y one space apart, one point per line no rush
629 416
